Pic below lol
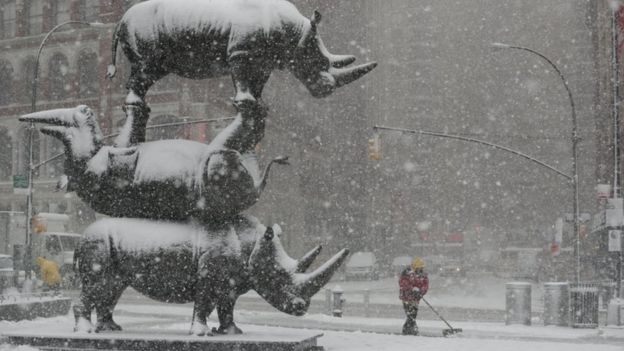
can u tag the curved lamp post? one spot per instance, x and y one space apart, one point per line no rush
31 167
575 140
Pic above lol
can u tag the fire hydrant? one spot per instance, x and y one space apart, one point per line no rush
338 300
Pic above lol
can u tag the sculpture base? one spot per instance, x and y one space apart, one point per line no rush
33 307
164 341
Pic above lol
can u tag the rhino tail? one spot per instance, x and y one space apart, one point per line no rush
111 69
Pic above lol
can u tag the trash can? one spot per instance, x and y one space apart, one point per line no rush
584 305
556 304
518 303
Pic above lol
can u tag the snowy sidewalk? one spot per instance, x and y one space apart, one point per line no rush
609 335
476 337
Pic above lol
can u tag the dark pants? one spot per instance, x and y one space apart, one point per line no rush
411 311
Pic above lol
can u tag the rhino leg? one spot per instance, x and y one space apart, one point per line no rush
219 282
137 112
225 312
247 129
101 284
249 75
202 309
107 301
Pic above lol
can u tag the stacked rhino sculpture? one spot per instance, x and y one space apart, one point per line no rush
176 231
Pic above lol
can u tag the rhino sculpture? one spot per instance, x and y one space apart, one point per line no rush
246 39
179 263
166 179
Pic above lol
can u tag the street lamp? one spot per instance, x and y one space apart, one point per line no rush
575 140
31 167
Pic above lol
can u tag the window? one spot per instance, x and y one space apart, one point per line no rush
89 10
22 157
164 132
7 19
55 147
28 74
87 74
34 13
6 154
58 74
60 11
6 80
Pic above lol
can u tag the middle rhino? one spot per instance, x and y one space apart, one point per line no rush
165 179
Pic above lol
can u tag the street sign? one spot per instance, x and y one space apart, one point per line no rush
615 240
20 184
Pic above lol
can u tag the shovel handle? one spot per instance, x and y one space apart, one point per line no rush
436 312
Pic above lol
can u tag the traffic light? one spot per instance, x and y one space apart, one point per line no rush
374 148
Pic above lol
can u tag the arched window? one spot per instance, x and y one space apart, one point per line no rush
87 74
171 132
7 19
22 156
58 74
60 11
89 10
34 12
55 147
27 76
6 82
6 154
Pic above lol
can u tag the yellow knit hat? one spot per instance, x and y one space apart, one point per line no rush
418 263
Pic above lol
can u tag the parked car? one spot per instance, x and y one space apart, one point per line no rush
433 263
452 268
400 263
362 265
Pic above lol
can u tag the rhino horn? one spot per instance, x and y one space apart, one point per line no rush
58 117
344 76
317 279
339 61
304 263
336 61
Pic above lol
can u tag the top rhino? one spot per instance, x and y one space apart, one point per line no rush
247 39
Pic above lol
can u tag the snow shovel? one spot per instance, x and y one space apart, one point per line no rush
445 332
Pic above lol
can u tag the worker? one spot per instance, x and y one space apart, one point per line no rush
50 275
413 285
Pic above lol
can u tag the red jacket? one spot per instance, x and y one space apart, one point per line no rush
410 280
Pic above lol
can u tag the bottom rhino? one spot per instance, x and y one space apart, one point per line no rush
180 263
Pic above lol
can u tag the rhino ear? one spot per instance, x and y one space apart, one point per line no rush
315 19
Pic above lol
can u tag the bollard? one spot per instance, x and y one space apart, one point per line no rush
366 303
518 303
338 301
556 304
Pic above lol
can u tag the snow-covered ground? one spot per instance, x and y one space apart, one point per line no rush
359 333
476 336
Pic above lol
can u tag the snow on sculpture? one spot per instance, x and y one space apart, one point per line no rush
178 234
186 262
246 39
165 179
